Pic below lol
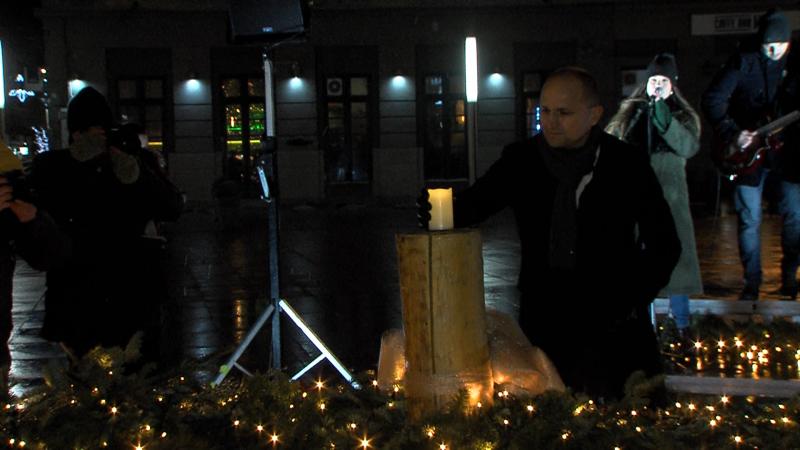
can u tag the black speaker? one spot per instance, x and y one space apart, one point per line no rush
265 19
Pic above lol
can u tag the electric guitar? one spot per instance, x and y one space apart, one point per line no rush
735 161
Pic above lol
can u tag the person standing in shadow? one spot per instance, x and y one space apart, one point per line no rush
102 197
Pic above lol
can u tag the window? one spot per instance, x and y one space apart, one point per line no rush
346 135
142 101
244 116
444 127
531 90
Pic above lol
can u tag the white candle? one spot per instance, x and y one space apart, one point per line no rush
441 201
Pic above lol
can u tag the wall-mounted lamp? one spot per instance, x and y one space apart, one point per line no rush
399 81
295 82
496 78
75 85
193 84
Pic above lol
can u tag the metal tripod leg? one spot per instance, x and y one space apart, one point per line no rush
324 350
226 368
283 306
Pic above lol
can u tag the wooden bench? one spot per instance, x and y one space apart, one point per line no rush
765 308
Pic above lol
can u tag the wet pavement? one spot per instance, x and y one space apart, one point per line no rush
337 269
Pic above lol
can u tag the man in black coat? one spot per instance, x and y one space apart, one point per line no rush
755 86
102 198
597 238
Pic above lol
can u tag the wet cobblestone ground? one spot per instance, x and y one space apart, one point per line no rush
338 270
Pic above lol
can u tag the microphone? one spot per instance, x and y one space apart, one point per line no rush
656 93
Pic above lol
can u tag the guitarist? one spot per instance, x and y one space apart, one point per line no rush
748 91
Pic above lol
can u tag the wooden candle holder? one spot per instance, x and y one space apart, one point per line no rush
444 318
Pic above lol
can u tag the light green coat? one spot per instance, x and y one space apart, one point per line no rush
683 141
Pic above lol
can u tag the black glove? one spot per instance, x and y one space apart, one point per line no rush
423 209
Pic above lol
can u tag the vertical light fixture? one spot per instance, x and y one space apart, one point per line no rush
2 79
2 95
471 58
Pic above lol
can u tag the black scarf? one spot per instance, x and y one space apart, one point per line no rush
568 166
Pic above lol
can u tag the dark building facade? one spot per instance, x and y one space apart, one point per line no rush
371 98
22 107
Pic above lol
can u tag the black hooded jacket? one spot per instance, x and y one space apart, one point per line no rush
748 92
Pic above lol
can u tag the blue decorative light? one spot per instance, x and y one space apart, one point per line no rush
42 140
21 94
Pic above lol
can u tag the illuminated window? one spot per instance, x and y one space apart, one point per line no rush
243 126
531 90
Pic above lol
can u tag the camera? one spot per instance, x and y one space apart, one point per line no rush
16 179
125 138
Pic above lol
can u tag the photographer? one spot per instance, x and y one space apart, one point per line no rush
27 232
101 197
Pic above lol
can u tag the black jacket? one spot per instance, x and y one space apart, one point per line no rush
578 314
749 91
107 288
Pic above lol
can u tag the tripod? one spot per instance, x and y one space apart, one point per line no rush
267 173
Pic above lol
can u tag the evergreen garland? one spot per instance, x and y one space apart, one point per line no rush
110 400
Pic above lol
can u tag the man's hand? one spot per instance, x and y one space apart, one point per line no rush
24 211
125 166
423 209
744 139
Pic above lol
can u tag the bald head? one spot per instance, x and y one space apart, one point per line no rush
570 107
585 80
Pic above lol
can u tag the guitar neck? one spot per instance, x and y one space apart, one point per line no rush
778 124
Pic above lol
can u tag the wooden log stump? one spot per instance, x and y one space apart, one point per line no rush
444 318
